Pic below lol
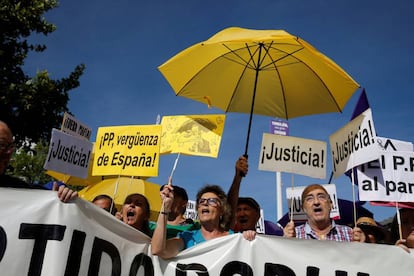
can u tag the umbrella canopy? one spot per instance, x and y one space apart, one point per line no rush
73 180
120 187
76 181
267 72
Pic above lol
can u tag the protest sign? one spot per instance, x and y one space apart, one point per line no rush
291 154
68 154
48 237
295 207
354 144
370 175
394 183
279 126
198 135
72 126
127 150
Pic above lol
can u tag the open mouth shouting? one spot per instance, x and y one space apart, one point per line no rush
130 216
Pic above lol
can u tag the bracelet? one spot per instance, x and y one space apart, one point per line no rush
164 213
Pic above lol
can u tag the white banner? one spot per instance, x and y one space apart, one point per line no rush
39 235
68 154
291 154
354 144
295 207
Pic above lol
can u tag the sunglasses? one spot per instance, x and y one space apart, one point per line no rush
212 201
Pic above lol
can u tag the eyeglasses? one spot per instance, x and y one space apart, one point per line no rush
212 201
7 146
320 197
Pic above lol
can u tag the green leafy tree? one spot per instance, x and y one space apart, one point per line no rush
28 162
32 106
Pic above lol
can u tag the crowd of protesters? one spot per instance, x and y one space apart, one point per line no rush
221 214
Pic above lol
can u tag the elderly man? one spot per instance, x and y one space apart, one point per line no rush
6 150
247 214
317 205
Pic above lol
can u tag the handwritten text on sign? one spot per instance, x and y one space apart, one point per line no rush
127 150
291 154
354 144
74 127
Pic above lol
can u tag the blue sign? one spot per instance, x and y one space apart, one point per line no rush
279 127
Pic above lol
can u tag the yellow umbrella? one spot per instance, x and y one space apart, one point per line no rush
267 72
77 181
73 180
120 187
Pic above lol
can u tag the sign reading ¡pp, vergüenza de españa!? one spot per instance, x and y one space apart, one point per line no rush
294 155
127 150
68 154
354 144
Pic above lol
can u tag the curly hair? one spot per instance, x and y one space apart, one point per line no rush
224 223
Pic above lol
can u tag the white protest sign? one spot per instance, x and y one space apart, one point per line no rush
191 211
260 225
295 194
397 181
291 154
72 126
48 237
354 144
371 183
68 154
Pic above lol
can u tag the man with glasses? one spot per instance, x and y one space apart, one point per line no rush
6 150
317 205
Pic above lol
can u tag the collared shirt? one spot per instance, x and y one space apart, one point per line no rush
341 233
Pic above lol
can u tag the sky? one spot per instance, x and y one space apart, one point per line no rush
122 43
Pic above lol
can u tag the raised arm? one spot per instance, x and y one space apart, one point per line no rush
241 169
160 246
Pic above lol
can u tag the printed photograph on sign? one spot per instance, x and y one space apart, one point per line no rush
198 135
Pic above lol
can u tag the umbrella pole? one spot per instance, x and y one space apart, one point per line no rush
253 98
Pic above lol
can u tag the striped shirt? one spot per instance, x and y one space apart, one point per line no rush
341 233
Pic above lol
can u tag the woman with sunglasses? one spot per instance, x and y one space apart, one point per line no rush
214 214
